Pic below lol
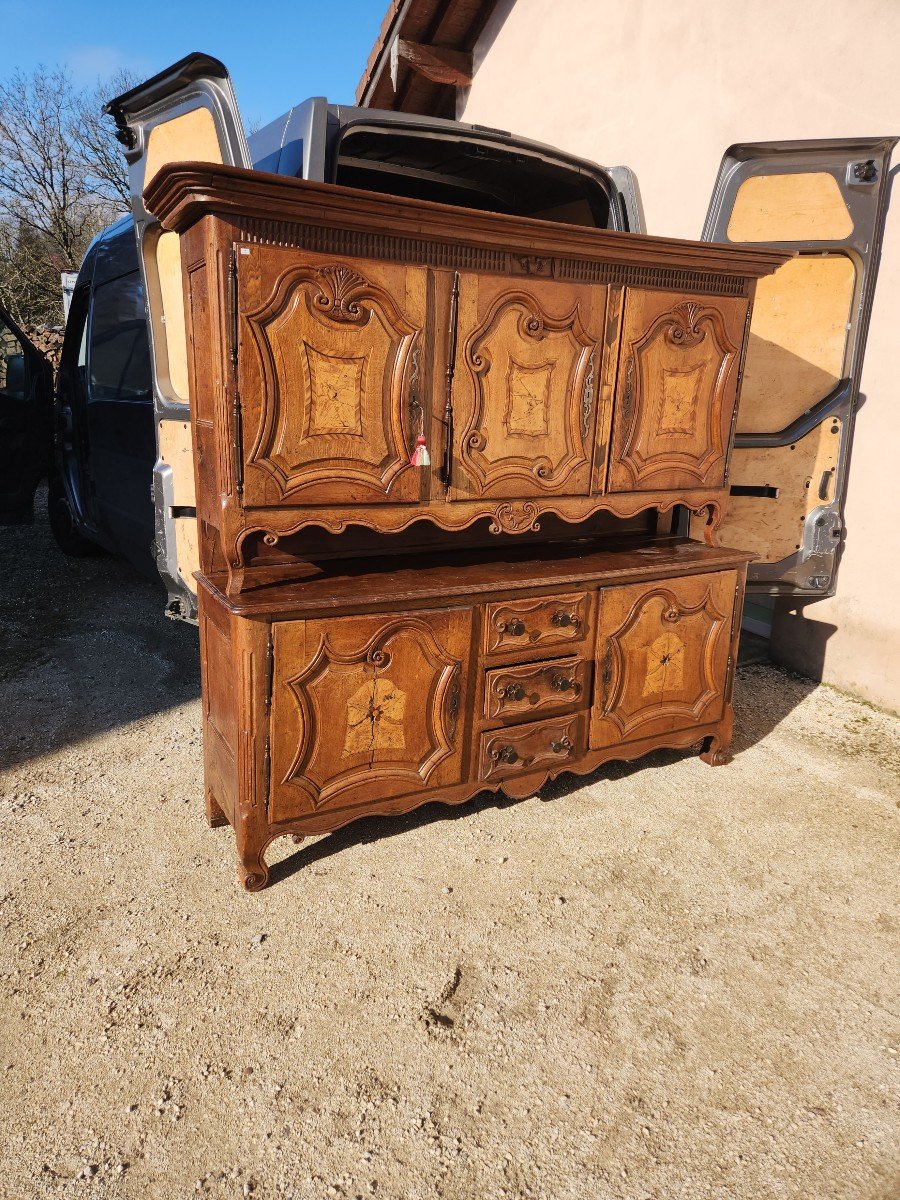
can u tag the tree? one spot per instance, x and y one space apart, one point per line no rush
101 153
62 179
30 287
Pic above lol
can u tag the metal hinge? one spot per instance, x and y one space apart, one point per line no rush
267 771
740 380
270 669
735 616
236 416
734 609
744 346
447 466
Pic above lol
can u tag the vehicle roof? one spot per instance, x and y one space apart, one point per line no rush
282 146
111 253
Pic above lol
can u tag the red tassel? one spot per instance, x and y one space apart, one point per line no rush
420 456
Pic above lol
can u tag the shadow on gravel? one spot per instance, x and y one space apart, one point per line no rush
373 829
764 696
85 646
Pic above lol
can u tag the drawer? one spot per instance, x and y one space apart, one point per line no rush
532 688
535 622
536 746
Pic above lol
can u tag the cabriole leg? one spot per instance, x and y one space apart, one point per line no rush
253 874
715 752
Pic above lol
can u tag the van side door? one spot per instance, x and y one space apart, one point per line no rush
119 409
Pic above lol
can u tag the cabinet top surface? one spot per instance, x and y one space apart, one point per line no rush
368 584
181 193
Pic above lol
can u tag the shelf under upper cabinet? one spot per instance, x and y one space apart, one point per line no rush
371 585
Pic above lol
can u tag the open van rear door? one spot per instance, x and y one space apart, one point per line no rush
826 200
26 414
186 113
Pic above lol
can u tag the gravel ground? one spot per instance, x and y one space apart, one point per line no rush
662 981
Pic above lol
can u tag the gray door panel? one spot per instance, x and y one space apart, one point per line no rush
194 98
826 200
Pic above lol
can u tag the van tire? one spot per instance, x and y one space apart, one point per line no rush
62 524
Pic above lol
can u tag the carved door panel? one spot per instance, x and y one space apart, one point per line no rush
525 387
662 656
365 708
676 391
330 376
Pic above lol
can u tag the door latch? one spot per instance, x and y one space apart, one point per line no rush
863 172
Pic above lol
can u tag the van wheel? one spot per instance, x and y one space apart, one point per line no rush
62 524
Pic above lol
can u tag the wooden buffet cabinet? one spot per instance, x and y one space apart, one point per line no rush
377 634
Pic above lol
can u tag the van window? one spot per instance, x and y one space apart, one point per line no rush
453 169
119 359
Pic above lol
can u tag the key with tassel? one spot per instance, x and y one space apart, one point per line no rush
420 456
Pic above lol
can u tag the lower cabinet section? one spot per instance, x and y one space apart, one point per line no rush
311 721
365 708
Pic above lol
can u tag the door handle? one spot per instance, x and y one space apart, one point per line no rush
825 481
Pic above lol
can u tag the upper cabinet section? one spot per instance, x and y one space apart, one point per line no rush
362 360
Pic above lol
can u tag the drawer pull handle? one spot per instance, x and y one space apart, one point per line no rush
563 746
514 691
563 619
562 683
509 755
514 627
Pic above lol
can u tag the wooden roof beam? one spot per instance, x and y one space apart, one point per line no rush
437 63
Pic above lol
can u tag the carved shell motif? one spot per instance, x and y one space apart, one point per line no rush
339 293
683 330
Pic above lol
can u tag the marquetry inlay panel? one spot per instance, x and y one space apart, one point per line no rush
677 391
662 652
526 387
365 707
326 361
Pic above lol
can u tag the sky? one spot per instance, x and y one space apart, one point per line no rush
277 54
